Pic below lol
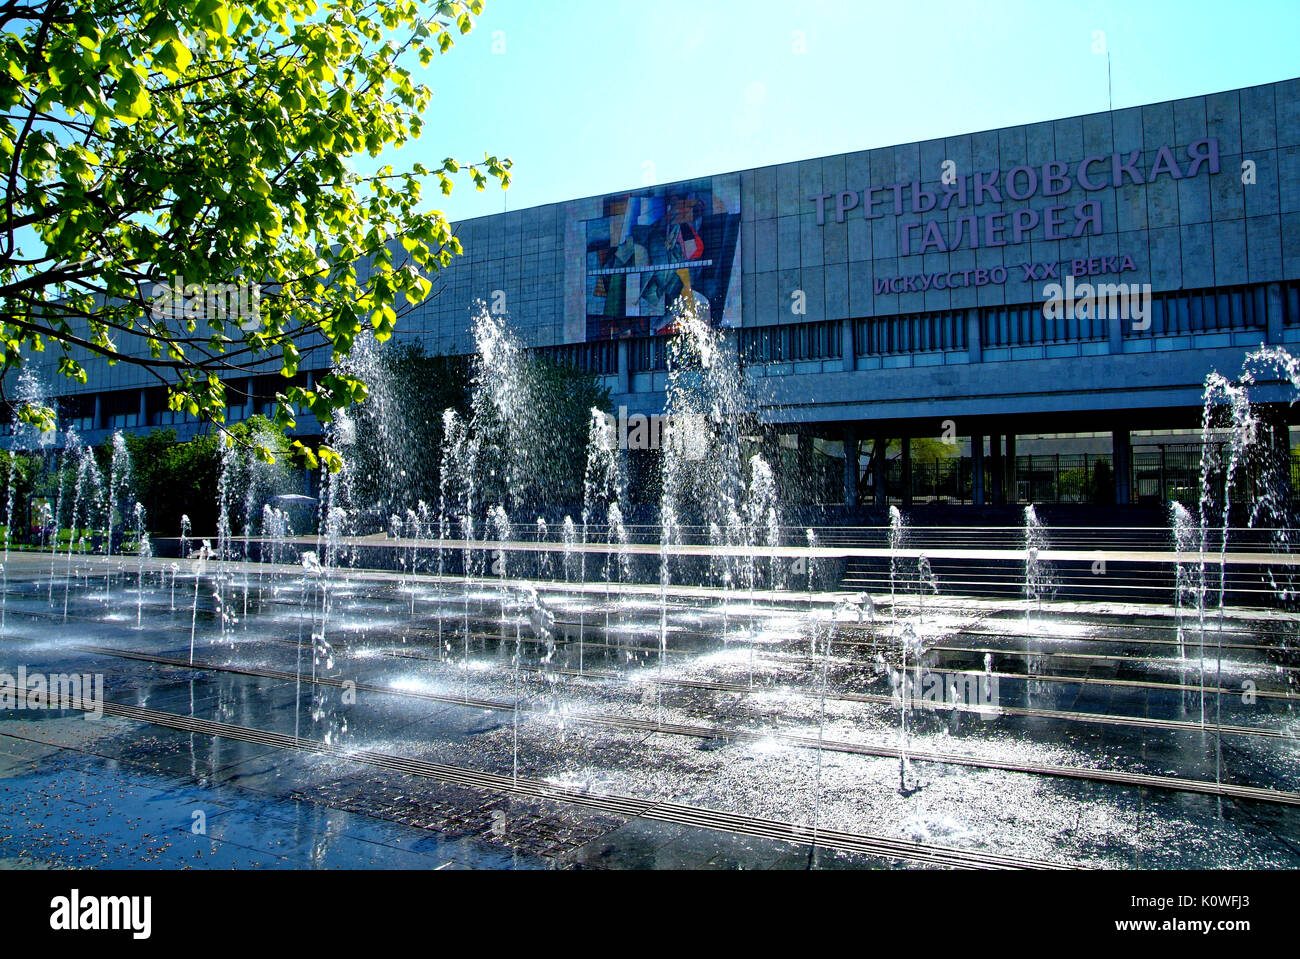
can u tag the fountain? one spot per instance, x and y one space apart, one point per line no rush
1244 435
698 660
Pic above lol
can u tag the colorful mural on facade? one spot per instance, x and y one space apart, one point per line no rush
647 248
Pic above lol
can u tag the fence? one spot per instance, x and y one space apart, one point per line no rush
1160 474
1052 478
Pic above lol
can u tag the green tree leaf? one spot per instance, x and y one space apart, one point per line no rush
208 144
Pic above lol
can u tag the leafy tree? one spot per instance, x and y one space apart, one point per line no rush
927 449
397 456
19 477
1072 485
206 144
566 397
176 479
173 479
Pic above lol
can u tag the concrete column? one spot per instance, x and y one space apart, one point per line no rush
1120 460
850 466
623 378
974 336
98 420
995 468
1010 467
977 469
144 408
1275 309
804 458
906 443
1116 333
848 346
878 470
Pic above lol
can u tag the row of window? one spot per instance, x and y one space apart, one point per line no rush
1028 325
1291 303
791 342
600 357
122 409
1173 313
1205 311
647 354
912 333
1166 314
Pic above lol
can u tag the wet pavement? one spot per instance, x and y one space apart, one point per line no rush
501 729
63 807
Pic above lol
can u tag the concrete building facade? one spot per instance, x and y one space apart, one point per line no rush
1073 275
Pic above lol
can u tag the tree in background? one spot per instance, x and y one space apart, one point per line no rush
397 455
173 479
20 475
178 194
396 458
565 399
927 449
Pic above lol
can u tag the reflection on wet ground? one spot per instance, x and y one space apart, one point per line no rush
368 723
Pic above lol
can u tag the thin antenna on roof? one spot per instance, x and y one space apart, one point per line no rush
1110 95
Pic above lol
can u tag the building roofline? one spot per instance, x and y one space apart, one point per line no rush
884 146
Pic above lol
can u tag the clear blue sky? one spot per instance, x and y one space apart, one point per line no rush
587 92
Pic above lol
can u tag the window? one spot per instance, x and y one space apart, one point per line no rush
791 342
599 356
1291 303
121 409
78 412
1207 311
647 354
912 333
